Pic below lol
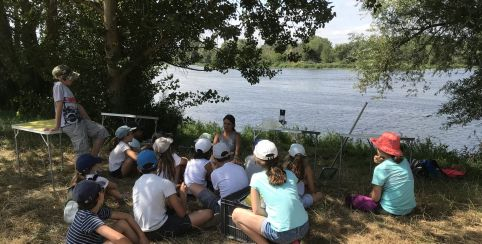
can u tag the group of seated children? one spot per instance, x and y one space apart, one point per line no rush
280 190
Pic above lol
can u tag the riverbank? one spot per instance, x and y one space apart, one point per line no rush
447 211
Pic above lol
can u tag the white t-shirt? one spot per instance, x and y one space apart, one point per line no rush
103 182
177 162
195 172
149 196
228 179
70 109
118 156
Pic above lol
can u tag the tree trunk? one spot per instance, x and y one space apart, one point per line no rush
112 54
7 54
52 32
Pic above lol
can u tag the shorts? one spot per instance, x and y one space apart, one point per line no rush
80 133
307 200
174 226
116 173
285 236
209 200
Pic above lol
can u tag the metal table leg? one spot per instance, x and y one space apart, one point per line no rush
47 142
16 150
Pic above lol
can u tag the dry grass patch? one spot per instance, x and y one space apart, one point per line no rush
447 212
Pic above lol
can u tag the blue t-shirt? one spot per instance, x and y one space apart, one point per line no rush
396 180
283 206
82 229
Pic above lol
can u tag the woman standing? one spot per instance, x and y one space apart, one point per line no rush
230 137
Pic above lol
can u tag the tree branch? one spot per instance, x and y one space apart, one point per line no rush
94 4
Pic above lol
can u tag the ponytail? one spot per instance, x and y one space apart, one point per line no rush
166 165
76 178
113 143
297 166
274 171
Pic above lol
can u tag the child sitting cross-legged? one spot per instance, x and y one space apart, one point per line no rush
88 225
199 168
122 159
227 178
306 180
88 169
158 210
285 219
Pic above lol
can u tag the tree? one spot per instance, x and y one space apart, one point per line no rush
415 33
120 46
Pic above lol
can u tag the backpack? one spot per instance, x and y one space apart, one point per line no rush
427 168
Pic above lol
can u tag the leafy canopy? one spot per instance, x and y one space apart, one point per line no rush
416 34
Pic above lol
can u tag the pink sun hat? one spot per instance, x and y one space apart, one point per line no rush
388 142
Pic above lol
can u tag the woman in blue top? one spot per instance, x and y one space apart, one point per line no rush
284 220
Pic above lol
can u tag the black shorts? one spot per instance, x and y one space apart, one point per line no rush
117 173
174 226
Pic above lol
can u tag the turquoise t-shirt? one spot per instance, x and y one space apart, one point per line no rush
283 206
396 180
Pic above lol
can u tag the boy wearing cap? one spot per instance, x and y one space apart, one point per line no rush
152 194
198 169
88 225
122 159
87 168
71 117
227 178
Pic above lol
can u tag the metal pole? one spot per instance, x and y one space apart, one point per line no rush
15 131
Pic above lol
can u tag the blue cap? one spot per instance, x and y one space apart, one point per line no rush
146 160
85 162
123 131
86 192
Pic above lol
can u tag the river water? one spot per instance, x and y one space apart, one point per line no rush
325 101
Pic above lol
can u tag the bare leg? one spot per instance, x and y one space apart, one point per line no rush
200 217
96 146
113 191
316 197
249 223
123 227
128 167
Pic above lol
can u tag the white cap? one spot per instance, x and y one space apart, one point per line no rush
220 150
265 150
162 144
296 149
203 144
206 136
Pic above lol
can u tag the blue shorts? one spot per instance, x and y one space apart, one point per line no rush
209 200
284 236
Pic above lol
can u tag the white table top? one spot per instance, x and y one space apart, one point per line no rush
281 129
129 116
368 136
38 127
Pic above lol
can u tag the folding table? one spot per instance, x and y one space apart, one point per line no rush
136 118
293 131
38 127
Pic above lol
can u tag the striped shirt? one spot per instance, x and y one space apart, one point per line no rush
82 229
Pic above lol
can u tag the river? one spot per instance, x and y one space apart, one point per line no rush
325 100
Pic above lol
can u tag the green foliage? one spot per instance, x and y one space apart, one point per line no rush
413 35
120 47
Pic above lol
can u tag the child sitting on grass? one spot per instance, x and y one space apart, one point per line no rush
393 183
227 178
122 159
170 165
285 219
88 168
199 168
306 179
152 195
88 225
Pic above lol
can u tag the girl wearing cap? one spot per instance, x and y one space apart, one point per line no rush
122 159
151 197
306 179
393 183
285 219
71 117
230 137
198 169
170 165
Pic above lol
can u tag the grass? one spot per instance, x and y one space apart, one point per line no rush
448 211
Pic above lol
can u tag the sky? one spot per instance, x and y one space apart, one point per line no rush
349 19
